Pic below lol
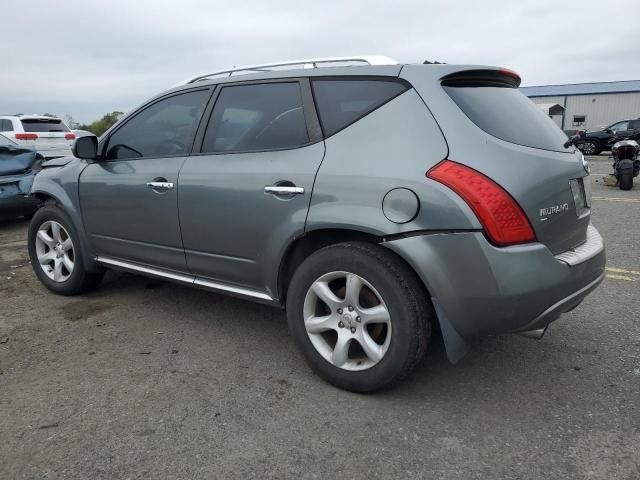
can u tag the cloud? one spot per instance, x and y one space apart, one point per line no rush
85 59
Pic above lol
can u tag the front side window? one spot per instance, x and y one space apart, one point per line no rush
619 127
267 116
165 128
342 102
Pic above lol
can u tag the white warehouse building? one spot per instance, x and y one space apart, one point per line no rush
589 105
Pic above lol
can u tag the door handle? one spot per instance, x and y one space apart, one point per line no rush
282 190
160 187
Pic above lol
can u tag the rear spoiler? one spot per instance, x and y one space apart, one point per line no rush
482 78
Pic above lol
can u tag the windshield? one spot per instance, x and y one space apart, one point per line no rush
508 115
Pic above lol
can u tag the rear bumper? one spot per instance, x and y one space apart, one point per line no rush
481 289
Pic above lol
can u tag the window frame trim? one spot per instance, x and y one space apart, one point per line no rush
308 107
104 144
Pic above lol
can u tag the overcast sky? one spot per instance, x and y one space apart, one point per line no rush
86 58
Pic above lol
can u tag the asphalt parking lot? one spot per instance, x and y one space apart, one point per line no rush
143 379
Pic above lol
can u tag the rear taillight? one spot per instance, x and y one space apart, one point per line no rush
70 136
502 218
26 136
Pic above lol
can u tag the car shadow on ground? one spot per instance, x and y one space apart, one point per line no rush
498 365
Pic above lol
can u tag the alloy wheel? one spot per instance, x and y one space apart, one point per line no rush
55 251
588 148
347 321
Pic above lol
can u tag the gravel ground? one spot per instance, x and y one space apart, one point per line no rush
142 379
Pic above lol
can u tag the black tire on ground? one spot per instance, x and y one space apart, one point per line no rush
80 280
403 293
626 181
590 148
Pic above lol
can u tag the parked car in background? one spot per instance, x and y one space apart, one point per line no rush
49 136
18 167
372 202
572 132
594 142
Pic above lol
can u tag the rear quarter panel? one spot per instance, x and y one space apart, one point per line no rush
392 147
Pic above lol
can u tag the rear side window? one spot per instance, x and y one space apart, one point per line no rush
344 101
634 125
165 128
507 114
6 125
260 117
43 125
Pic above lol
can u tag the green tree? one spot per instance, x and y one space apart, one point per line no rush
100 126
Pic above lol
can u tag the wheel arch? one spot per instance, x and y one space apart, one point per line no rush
61 199
302 247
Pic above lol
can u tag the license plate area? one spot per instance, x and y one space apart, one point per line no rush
581 190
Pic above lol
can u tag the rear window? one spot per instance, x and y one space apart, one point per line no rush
43 125
342 102
507 114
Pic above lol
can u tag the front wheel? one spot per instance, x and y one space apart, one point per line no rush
626 180
590 148
360 316
56 254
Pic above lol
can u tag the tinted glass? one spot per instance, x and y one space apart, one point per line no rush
342 102
43 125
619 127
634 125
268 116
6 126
507 114
164 128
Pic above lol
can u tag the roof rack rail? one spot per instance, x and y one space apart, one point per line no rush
308 63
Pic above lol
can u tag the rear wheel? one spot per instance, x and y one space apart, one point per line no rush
360 316
590 148
56 254
626 181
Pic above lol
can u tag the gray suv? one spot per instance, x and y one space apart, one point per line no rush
376 202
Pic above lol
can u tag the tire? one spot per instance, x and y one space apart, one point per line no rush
63 270
384 282
590 148
626 181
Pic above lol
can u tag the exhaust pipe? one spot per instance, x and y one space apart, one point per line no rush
534 334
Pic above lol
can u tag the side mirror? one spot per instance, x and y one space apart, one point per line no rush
609 131
86 148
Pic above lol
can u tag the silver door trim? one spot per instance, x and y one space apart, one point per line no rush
148 270
192 280
277 190
160 186
232 289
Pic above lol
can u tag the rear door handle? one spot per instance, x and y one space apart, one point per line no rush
282 190
160 187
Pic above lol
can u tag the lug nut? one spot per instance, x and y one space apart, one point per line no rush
350 308
353 329
358 319
339 311
341 324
